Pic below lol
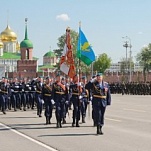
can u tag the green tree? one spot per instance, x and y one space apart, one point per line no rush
102 63
144 59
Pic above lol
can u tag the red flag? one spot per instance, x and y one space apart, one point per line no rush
67 62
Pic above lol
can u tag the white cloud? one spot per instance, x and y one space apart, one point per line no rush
63 17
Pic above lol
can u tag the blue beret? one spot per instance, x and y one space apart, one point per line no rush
83 77
99 74
93 76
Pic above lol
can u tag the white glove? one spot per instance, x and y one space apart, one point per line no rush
91 98
79 83
93 80
42 101
27 85
80 97
67 102
52 101
16 86
22 90
29 88
12 90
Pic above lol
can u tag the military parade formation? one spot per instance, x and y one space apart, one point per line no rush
63 94
60 94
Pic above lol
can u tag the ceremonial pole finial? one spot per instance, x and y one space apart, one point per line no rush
80 24
26 19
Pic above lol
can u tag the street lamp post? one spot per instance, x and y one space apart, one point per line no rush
126 46
130 46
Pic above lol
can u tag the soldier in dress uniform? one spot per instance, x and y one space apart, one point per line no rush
88 87
38 95
85 98
25 93
4 90
76 91
59 96
32 93
15 86
101 98
47 96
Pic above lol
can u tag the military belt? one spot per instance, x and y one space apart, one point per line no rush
85 96
38 91
3 91
60 92
98 96
47 94
75 94
15 92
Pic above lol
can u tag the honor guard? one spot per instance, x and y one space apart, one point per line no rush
59 96
76 90
39 100
47 96
85 98
15 96
32 90
101 98
4 90
25 93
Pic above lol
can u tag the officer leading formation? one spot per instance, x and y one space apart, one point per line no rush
60 94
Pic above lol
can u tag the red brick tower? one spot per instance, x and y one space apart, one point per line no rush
26 67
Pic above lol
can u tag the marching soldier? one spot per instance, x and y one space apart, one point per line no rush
47 96
4 90
59 96
39 85
76 90
85 98
16 100
101 98
25 93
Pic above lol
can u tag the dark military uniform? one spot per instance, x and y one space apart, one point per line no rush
60 96
84 99
38 97
15 96
47 96
76 97
4 90
101 98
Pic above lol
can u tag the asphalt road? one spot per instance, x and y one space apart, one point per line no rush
127 128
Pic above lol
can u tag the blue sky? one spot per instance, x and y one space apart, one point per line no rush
104 23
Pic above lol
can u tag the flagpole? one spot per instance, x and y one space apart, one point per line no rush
79 52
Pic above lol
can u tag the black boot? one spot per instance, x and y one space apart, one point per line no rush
58 124
47 120
64 121
77 124
4 112
99 130
101 133
83 119
73 124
